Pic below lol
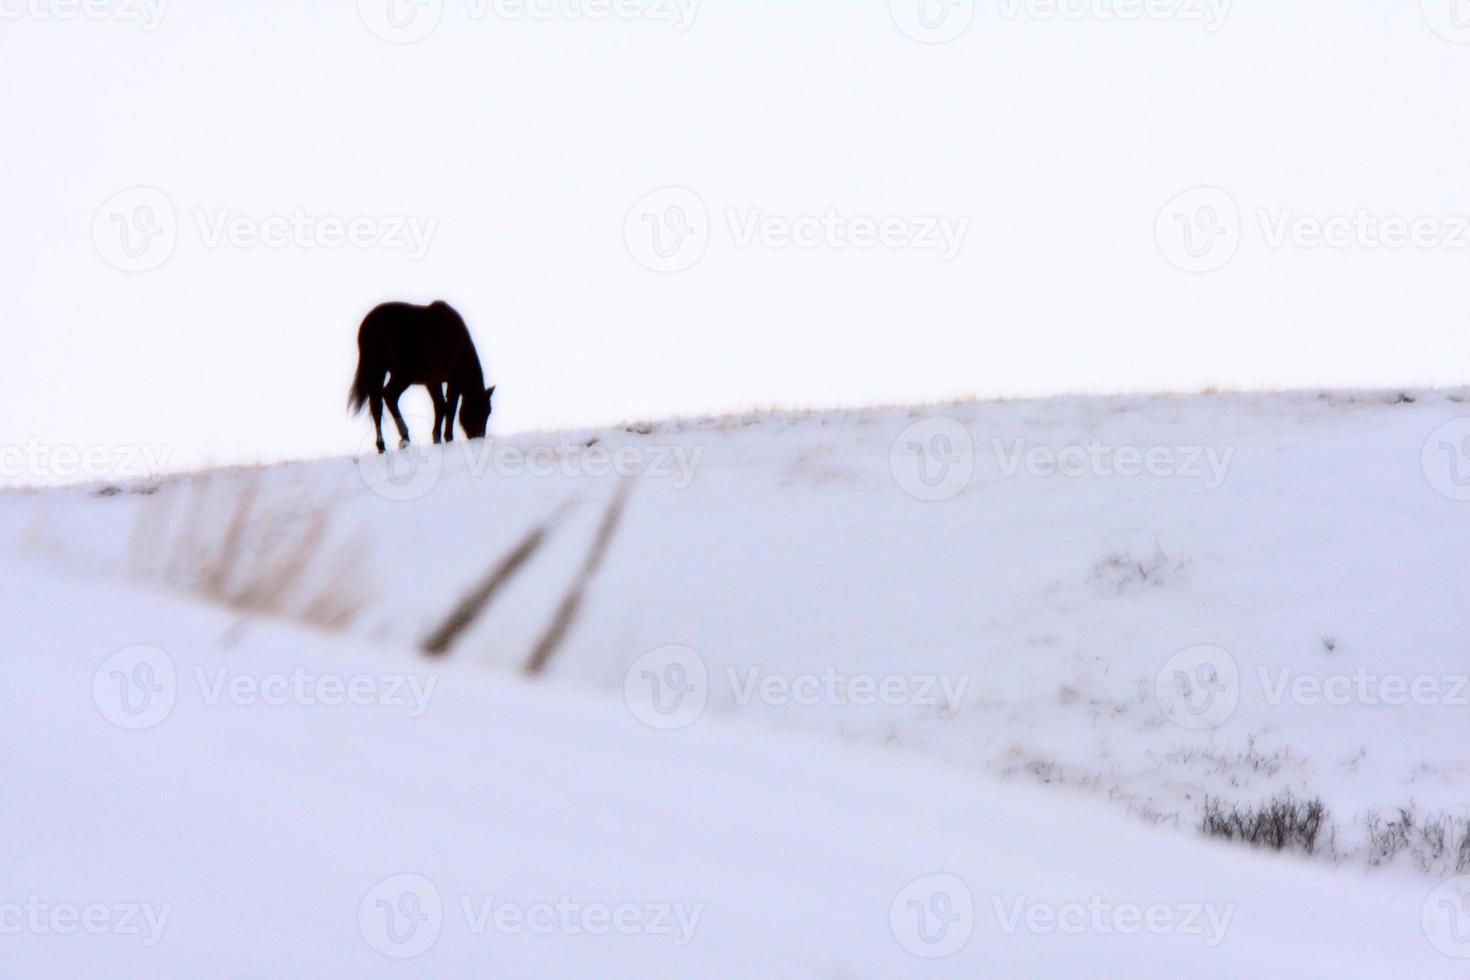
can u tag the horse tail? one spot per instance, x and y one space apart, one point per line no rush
366 382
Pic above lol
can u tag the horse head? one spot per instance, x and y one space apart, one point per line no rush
475 413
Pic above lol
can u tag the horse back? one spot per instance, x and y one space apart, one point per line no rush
417 344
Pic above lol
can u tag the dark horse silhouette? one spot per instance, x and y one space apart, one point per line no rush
420 345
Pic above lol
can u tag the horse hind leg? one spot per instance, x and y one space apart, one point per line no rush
437 394
375 404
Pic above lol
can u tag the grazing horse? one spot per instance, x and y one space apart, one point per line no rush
420 345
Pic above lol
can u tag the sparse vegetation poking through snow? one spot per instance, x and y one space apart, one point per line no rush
1282 823
1230 765
1438 843
473 605
268 562
1434 843
1121 574
571 603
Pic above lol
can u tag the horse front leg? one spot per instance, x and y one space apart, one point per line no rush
451 406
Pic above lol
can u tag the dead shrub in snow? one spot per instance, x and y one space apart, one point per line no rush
475 602
1282 823
1437 842
266 560
571 603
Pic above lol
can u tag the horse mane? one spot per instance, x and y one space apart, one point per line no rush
470 376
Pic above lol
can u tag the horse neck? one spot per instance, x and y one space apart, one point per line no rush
468 375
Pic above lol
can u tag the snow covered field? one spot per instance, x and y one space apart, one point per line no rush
880 692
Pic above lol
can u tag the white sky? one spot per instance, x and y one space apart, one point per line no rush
1060 140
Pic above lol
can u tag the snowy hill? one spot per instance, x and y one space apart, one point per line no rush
1039 628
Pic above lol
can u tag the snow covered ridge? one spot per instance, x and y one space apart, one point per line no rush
1189 606
819 703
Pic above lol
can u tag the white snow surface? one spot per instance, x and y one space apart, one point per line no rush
785 832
